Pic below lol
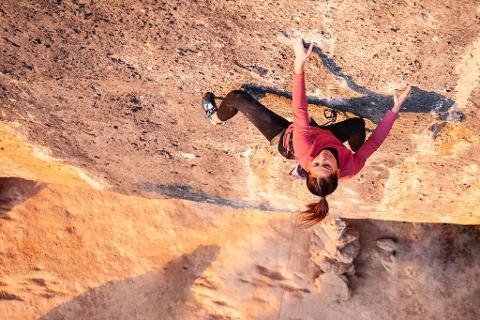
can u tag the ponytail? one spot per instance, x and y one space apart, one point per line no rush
314 213
321 187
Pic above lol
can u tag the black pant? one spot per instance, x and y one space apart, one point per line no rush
271 124
268 122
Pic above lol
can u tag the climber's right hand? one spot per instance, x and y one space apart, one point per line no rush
399 100
301 54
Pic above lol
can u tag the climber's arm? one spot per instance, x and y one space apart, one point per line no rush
381 131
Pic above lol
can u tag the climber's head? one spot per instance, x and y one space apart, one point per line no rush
319 186
324 165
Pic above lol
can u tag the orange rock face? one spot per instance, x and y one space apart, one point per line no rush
118 200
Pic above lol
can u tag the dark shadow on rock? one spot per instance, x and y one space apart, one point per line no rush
164 293
371 105
179 191
14 191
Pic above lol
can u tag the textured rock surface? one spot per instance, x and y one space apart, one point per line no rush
115 90
388 245
335 240
72 251
333 248
112 89
334 287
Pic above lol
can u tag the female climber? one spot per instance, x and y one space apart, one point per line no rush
319 151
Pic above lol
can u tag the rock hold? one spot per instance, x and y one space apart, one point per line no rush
333 287
454 114
333 227
333 248
348 253
389 264
327 264
386 244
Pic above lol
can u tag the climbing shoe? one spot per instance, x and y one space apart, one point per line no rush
209 107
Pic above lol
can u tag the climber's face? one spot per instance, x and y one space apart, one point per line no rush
324 165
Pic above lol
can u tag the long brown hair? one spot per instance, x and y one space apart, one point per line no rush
317 211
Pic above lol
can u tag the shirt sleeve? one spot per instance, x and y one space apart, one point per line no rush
374 141
302 137
301 120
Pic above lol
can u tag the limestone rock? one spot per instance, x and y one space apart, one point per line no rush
333 227
328 244
348 253
316 246
387 265
387 244
334 246
350 235
334 235
333 287
327 264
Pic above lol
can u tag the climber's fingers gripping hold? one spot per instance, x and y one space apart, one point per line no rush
399 99
301 54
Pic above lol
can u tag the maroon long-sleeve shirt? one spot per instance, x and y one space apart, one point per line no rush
309 141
